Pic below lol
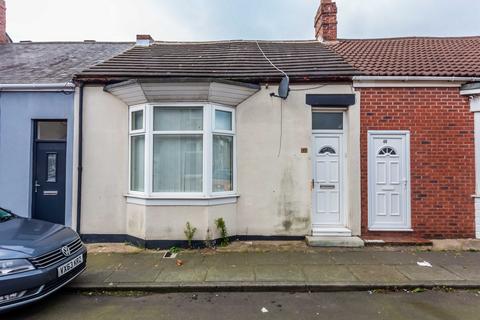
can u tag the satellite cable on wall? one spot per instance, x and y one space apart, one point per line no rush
284 87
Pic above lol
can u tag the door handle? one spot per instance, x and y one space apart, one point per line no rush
36 185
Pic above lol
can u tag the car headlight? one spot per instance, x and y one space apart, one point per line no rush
8 267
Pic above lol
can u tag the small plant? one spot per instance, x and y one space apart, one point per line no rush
174 249
189 233
220 224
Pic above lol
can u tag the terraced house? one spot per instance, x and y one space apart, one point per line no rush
336 140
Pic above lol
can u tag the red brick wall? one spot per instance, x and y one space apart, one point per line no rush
3 22
441 151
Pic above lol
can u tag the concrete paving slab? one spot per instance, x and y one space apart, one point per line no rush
467 272
284 273
230 273
320 270
94 276
427 274
377 273
354 257
226 259
106 261
132 276
182 274
267 258
328 273
187 259
140 261
316 258
447 258
395 257
451 258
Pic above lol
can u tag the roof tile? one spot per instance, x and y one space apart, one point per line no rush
459 57
232 60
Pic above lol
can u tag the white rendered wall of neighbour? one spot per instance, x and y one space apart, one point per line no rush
274 189
274 177
105 163
475 107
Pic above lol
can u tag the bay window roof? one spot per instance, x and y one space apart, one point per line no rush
134 92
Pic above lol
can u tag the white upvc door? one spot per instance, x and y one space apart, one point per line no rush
328 208
389 181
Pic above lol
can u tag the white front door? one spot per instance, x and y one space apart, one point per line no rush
328 208
389 181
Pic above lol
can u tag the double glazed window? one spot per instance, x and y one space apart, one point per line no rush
181 150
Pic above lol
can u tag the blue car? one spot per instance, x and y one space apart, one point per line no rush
36 259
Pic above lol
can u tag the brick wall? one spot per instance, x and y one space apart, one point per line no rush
3 22
442 156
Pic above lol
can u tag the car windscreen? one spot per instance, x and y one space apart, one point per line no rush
5 215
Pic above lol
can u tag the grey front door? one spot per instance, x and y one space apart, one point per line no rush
49 172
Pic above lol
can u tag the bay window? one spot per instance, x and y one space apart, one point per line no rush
182 151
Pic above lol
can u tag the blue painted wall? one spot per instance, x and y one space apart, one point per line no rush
17 112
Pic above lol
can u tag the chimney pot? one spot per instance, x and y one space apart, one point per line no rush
3 22
326 21
144 40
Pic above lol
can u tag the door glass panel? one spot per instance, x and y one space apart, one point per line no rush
327 121
51 167
52 130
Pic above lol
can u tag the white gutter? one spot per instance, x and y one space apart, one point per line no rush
415 78
64 86
472 92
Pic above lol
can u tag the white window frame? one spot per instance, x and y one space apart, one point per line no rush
133 133
207 132
230 133
130 122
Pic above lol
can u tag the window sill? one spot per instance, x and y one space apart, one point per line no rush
385 229
193 201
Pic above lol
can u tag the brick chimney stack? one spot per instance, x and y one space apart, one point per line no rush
3 22
144 40
326 21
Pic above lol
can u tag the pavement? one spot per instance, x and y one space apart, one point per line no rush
299 270
428 305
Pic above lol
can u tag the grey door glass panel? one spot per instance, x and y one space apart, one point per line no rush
51 130
51 167
327 121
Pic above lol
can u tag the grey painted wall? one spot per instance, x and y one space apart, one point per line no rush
17 112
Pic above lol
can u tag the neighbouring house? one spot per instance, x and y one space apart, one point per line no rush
37 108
419 96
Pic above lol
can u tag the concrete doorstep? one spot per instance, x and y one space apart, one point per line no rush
309 270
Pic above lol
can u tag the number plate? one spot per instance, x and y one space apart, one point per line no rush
67 267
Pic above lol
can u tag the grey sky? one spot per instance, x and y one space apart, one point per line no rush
121 20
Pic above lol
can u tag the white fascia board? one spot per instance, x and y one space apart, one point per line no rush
409 82
68 86
472 92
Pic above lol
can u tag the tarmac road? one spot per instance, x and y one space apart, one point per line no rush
323 305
